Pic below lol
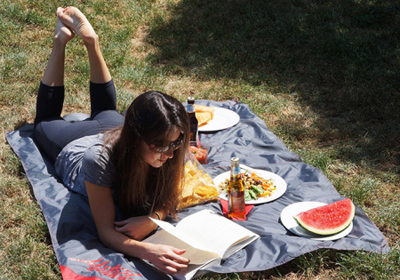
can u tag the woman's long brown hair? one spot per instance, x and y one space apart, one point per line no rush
151 118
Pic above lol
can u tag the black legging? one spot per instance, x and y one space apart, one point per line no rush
53 133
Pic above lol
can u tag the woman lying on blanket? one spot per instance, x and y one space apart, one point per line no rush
135 162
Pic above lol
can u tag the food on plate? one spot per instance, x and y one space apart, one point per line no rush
328 219
255 186
202 108
199 153
204 113
203 117
198 188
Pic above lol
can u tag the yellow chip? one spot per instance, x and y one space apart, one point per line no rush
198 188
203 117
201 108
204 113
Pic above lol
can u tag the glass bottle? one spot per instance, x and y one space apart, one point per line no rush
193 122
236 191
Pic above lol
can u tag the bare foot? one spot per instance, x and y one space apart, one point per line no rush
62 33
75 20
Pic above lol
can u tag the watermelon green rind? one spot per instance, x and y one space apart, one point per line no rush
328 219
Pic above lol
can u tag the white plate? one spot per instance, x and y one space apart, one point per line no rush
291 224
223 118
280 184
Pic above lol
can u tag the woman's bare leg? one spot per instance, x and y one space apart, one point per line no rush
76 21
54 73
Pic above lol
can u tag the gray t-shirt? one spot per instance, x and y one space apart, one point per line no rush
85 159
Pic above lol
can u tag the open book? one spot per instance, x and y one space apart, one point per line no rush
206 236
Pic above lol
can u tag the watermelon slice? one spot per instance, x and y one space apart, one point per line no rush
328 219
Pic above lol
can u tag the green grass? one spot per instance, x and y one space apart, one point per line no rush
324 75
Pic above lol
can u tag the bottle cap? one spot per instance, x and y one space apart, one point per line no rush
235 160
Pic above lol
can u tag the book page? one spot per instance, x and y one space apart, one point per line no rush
215 232
239 245
192 270
187 238
195 255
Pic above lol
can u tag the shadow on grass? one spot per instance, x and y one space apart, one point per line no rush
340 57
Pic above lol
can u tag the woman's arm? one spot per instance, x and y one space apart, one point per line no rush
166 258
139 227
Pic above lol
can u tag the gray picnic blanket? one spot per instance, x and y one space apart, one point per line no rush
80 252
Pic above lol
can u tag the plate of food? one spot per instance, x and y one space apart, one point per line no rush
290 223
261 186
214 118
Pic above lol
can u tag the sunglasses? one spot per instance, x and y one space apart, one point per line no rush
174 145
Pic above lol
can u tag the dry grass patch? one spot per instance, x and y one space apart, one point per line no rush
34 33
140 49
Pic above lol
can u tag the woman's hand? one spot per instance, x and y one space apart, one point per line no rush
115 234
136 227
166 258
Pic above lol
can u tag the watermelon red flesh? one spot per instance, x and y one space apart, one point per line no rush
328 219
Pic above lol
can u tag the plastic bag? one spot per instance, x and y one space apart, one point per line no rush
198 185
